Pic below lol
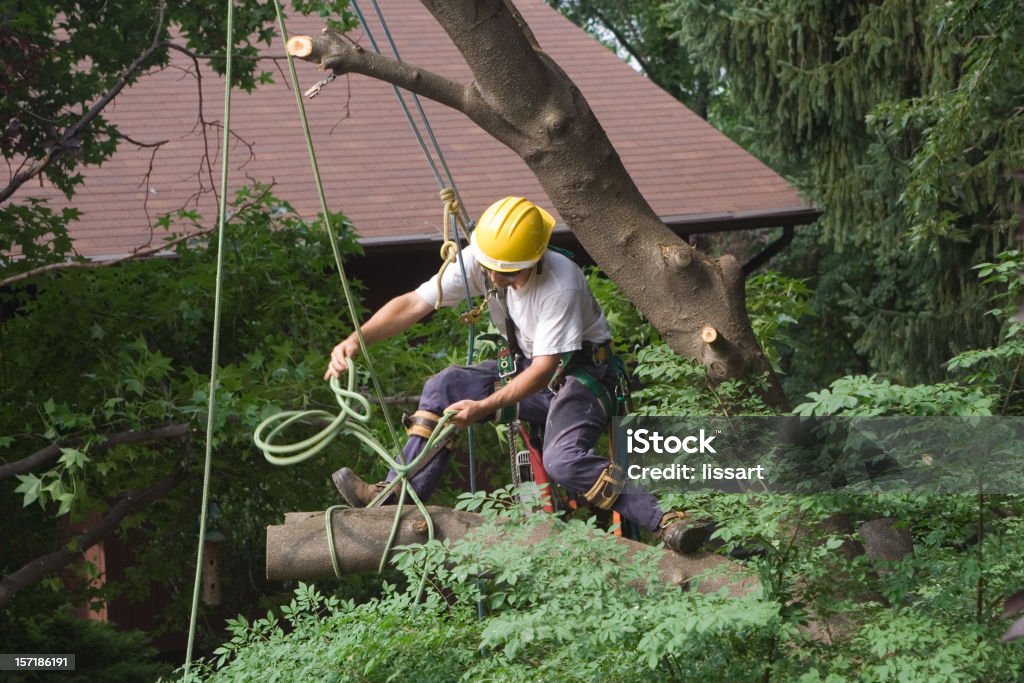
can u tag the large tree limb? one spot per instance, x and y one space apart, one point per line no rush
487 33
523 99
46 455
298 549
35 570
336 54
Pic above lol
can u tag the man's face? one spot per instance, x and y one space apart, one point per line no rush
515 279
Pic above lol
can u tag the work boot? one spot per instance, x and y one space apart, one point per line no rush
681 533
354 490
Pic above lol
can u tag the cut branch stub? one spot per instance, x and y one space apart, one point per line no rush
300 46
709 334
317 48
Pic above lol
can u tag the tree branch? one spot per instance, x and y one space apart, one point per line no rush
201 122
57 149
33 571
336 54
46 455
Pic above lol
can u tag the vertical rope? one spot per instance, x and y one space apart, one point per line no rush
437 176
470 432
405 107
416 101
349 299
214 353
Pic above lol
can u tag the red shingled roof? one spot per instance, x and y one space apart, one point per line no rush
373 168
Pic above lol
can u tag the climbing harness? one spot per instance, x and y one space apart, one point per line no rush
526 463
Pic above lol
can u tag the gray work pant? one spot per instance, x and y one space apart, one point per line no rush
573 421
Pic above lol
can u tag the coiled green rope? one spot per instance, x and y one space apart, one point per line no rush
349 420
352 418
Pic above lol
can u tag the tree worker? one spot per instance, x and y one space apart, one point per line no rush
544 308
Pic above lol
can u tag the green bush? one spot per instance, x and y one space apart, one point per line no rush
101 652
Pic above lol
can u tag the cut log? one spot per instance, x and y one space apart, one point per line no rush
298 549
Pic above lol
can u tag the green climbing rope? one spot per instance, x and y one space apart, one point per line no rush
329 227
350 420
214 354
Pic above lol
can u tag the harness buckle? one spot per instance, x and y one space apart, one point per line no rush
558 377
507 366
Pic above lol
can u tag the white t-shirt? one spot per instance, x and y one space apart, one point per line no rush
554 312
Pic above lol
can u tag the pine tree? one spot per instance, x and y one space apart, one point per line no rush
902 120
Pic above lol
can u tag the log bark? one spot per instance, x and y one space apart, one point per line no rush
298 550
524 99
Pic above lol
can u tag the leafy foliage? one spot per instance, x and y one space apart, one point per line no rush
571 601
101 652
901 120
676 386
65 62
126 349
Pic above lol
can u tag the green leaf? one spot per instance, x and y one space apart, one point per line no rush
31 487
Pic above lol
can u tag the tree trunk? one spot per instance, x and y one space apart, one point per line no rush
298 550
524 99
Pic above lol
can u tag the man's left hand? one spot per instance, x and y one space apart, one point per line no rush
469 412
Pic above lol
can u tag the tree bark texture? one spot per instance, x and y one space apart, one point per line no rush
298 549
524 99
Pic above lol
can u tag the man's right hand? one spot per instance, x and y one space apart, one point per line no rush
339 357
394 317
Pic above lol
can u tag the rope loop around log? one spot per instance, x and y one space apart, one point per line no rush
350 421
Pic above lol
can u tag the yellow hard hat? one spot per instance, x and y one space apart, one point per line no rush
512 234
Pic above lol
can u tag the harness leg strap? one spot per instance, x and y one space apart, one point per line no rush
439 445
607 489
421 423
